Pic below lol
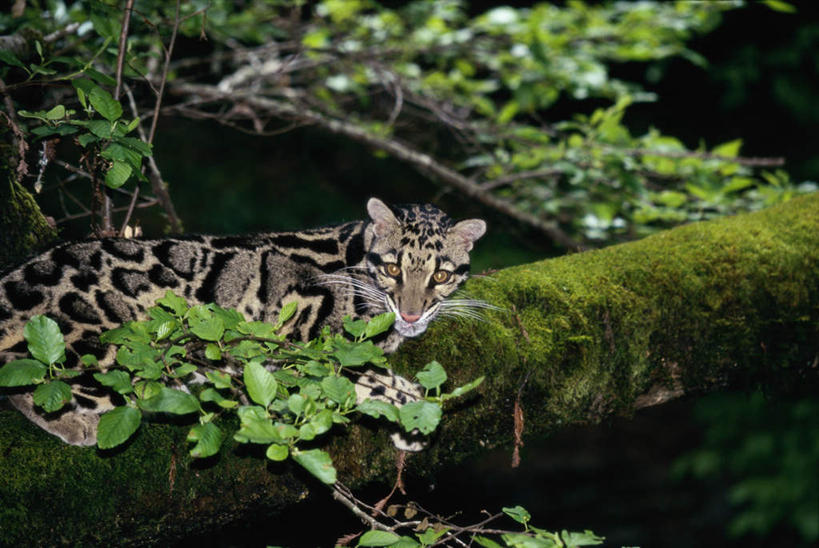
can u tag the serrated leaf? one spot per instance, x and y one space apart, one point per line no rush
208 438
339 389
379 324
22 373
174 303
213 352
260 383
378 538
45 342
171 401
432 376
86 139
138 145
205 324
52 395
318 463
102 101
117 174
277 452
422 415
350 353
119 381
116 426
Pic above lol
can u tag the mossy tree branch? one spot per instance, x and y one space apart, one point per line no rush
698 308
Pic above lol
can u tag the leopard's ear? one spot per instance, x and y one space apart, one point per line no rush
468 231
384 219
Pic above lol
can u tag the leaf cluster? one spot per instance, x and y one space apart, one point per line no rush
203 361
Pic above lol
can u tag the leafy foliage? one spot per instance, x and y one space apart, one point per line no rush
284 393
768 452
485 85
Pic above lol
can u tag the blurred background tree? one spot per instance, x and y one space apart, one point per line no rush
565 124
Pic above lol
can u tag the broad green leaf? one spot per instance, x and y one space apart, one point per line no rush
277 452
339 389
169 400
376 409
256 426
260 383
116 426
205 324
208 438
486 542
322 422
729 149
213 352
350 353
118 380
45 342
432 376
431 535
379 324
56 113
517 513
296 403
262 330
318 463
22 373
138 145
307 432
422 415
174 303
780 5
102 101
354 327
378 538
586 538
52 395
89 360
117 174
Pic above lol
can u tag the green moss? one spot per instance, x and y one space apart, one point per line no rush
23 228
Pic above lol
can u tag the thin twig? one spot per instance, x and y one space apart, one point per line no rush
168 53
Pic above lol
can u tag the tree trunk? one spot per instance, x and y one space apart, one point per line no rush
582 337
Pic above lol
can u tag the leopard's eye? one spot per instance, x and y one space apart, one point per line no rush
440 276
392 269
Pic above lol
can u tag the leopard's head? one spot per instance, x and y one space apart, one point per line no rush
417 258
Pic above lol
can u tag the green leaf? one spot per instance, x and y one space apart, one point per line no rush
322 422
376 409
354 327
586 538
22 373
379 324
86 139
56 113
318 463
350 353
262 330
422 415
296 403
260 383
213 396
486 542
461 390
779 5
213 352
208 438
256 426
339 389
10 59
140 146
432 376
116 426
517 513
117 174
45 342
729 149
120 381
277 452
378 538
431 535
52 396
287 312
174 303
102 101
205 324
219 379
169 400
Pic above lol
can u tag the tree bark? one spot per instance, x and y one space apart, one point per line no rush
726 303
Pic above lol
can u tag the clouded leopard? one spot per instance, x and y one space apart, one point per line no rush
406 260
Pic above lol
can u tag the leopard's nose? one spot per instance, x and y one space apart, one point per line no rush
410 318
